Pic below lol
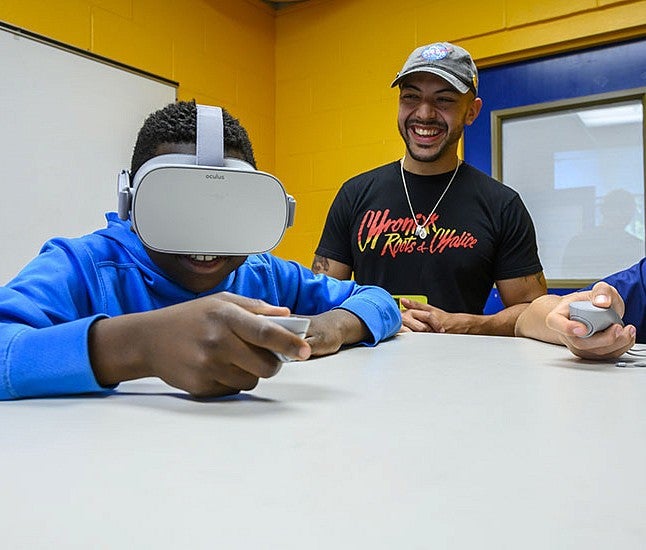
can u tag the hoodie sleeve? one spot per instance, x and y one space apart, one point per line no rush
46 361
308 294
377 309
45 317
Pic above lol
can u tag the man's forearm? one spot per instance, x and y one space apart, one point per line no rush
501 323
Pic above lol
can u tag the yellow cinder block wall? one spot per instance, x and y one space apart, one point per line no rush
220 51
311 82
335 60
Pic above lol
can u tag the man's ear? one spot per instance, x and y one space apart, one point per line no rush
473 111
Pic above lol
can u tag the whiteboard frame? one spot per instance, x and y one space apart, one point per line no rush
69 122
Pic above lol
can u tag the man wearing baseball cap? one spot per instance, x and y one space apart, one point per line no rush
432 230
452 63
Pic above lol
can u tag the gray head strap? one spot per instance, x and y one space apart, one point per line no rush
210 136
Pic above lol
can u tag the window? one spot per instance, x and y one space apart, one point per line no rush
579 166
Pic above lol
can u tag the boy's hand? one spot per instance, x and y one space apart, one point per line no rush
209 347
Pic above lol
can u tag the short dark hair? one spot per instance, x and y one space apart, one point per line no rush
177 123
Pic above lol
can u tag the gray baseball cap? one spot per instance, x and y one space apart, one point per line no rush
446 60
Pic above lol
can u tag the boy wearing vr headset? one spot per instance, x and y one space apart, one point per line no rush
91 312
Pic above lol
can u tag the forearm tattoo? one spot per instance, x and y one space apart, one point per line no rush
320 264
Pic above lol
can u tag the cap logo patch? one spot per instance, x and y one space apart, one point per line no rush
435 52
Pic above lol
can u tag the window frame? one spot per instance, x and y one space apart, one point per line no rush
499 116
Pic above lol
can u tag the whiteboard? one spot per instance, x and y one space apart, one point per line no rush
68 124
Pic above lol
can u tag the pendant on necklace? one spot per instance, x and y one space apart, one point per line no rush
421 232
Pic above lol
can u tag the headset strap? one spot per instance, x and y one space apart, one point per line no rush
210 136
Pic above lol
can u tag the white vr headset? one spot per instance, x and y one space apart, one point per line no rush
205 203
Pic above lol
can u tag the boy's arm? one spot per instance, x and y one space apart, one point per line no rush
44 361
333 329
368 316
210 347
343 312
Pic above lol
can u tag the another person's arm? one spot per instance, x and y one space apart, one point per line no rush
516 294
331 268
519 279
333 255
547 319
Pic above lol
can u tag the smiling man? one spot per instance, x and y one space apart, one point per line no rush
429 226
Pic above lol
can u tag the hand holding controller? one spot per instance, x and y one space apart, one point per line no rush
594 318
297 325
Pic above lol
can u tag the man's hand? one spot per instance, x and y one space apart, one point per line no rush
419 317
608 344
209 347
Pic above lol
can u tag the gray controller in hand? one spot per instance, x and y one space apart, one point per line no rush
594 318
297 325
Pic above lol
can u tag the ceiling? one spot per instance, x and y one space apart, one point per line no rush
283 3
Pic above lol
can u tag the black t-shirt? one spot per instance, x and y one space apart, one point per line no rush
480 232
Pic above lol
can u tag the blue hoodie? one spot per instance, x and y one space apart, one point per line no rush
46 311
631 285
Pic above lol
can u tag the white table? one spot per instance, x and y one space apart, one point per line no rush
426 441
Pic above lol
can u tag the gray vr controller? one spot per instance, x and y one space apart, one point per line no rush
594 318
297 325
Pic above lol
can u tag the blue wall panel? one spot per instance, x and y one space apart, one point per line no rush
587 72
598 70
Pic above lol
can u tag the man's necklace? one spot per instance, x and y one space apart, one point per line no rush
420 230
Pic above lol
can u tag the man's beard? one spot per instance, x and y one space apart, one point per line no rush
422 155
